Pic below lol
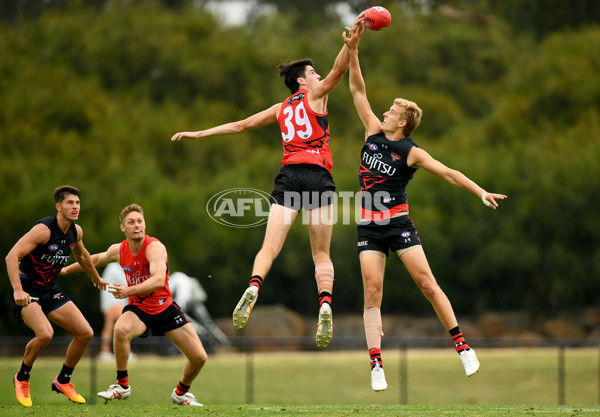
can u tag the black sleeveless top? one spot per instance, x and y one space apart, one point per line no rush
384 175
43 264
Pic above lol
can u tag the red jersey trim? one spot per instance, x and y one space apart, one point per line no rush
382 215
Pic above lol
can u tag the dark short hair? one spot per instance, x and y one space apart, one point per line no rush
290 71
61 192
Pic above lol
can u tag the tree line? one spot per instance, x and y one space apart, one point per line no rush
90 96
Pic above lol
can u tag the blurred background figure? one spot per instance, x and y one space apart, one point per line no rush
111 309
190 296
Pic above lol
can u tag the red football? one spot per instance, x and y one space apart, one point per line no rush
377 18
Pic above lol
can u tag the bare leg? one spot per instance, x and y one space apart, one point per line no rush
281 219
36 320
127 327
187 340
70 318
320 228
418 267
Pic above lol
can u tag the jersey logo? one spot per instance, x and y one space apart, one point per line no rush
367 181
372 146
405 234
47 272
72 245
396 157
296 98
127 269
53 247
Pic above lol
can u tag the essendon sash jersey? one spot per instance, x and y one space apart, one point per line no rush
304 133
137 270
383 176
43 264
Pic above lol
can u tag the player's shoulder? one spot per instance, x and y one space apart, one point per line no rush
40 233
152 242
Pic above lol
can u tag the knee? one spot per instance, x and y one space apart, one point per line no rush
372 295
45 336
198 359
87 334
430 288
373 292
84 333
120 334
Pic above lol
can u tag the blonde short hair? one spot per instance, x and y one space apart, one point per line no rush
412 114
130 208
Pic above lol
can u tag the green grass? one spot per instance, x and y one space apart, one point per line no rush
512 382
124 409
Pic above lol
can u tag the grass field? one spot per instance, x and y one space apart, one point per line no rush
512 382
124 409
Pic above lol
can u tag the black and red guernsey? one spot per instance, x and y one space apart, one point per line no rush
43 264
383 176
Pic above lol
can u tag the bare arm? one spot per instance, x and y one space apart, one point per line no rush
359 96
420 158
259 119
341 62
98 260
38 235
84 259
156 253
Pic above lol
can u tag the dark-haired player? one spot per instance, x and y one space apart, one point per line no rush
151 308
389 159
33 265
305 179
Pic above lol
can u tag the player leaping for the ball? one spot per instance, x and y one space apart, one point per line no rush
389 159
151 308
305 179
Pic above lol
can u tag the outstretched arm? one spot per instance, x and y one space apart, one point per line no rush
418 157
340 65
98 260
359 96
259 119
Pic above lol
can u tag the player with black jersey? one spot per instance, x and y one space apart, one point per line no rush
33 265
389 159
305 180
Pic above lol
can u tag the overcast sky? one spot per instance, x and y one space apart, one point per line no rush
234 12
